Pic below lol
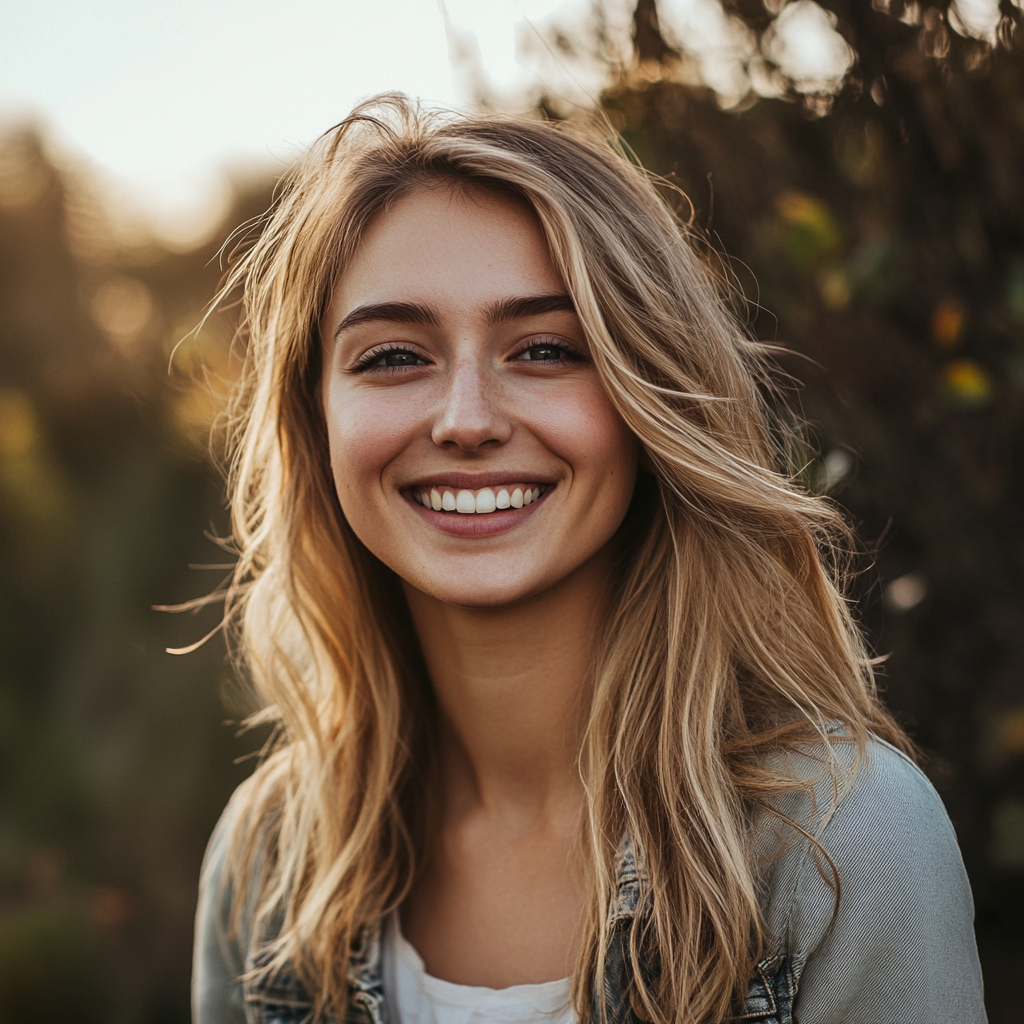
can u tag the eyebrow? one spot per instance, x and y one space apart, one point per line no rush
533 305
416 313
392 312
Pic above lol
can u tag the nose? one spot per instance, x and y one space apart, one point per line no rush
471 414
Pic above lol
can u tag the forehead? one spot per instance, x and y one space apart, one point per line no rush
443 244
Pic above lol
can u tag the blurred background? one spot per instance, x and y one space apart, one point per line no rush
862 165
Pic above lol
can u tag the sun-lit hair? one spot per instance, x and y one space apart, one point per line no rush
727 636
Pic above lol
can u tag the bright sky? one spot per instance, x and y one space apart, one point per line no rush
160 96
163 98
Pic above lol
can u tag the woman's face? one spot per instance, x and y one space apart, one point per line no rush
474 450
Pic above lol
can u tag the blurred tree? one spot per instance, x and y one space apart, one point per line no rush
862 164
113 759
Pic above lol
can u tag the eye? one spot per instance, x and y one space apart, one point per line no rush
549 350
398 359
388 359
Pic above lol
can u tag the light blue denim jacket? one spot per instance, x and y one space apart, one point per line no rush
897 948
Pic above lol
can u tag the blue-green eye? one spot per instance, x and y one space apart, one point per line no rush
389 359
549 352
398 359
544 352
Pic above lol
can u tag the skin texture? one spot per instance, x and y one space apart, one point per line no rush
504 604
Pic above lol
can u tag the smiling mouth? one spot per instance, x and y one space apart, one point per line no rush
479 502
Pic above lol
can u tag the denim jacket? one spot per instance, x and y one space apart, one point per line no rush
897 947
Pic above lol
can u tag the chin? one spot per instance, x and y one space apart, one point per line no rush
477 597
476 593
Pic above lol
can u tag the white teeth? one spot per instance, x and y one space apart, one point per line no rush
487 499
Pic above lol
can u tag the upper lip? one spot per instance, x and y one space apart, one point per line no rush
476 481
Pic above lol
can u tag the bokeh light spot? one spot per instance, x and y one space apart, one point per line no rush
17 424
906 592
948 323
123 307
967 383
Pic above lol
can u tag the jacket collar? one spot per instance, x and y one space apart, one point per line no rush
629 878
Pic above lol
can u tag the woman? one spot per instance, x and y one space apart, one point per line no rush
572 719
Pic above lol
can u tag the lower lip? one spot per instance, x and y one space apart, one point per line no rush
477 524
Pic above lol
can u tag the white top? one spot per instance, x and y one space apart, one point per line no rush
411 996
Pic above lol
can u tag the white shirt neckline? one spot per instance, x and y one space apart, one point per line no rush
412 996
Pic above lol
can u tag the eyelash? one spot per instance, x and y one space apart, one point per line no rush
376 354
366 363
570 354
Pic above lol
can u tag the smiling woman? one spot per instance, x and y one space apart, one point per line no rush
573 720
458 375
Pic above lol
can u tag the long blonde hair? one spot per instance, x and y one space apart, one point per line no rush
727 637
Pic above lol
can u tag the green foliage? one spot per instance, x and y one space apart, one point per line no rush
46 955
114 759
879 232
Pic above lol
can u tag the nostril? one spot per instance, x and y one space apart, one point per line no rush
471 416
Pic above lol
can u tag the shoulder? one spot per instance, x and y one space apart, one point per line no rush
844 795
891 799
849 820
836 793
865 887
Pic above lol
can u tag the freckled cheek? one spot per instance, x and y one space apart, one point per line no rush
365 437
585 430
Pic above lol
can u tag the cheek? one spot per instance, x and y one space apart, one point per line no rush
365 433
583 427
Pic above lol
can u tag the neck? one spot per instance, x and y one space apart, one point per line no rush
512 685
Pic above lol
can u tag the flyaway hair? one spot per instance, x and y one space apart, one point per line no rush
728 636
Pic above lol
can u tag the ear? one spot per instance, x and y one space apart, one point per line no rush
644 460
